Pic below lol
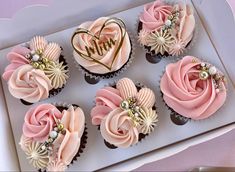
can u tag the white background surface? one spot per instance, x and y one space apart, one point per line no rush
165 132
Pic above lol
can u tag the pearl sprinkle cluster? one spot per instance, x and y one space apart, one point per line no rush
59 128
37 61
134 111
207 70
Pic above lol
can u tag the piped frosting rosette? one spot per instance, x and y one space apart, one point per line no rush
102 48
36 71
124 113
53 136
193 88
166 29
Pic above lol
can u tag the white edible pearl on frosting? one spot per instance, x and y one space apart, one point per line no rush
35 57
203 64
53 134
167 22
212 70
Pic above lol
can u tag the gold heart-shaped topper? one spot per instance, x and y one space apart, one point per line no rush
99 48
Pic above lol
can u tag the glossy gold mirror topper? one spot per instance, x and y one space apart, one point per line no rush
100 47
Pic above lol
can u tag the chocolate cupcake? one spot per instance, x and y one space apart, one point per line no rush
53 136
165 29
102 48
125 113
192 89
37 70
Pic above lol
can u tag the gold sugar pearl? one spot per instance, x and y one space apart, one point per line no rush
194 61
60 127
203 75
35 65
44 60
42 66
40 51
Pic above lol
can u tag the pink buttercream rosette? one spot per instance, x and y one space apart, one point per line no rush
30 78
166 29
187 93
53 136
116 124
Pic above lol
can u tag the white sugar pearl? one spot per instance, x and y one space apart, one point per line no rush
203 64
217 90
43 147
212 70
35 57
167 22
53 134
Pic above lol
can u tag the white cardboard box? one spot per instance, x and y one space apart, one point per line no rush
42 27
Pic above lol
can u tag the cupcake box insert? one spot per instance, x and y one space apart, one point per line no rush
79 92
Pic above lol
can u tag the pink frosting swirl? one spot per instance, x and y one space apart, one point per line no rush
187 94
110 31
74 124
39 121
29 84
17 59
117 128
155 14
107 99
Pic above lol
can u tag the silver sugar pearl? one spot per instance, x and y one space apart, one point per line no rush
203 75
203 64
125 105
27 56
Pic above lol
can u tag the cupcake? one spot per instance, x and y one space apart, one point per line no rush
36 71
193 89
53 136
165 29
102 48
125 113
